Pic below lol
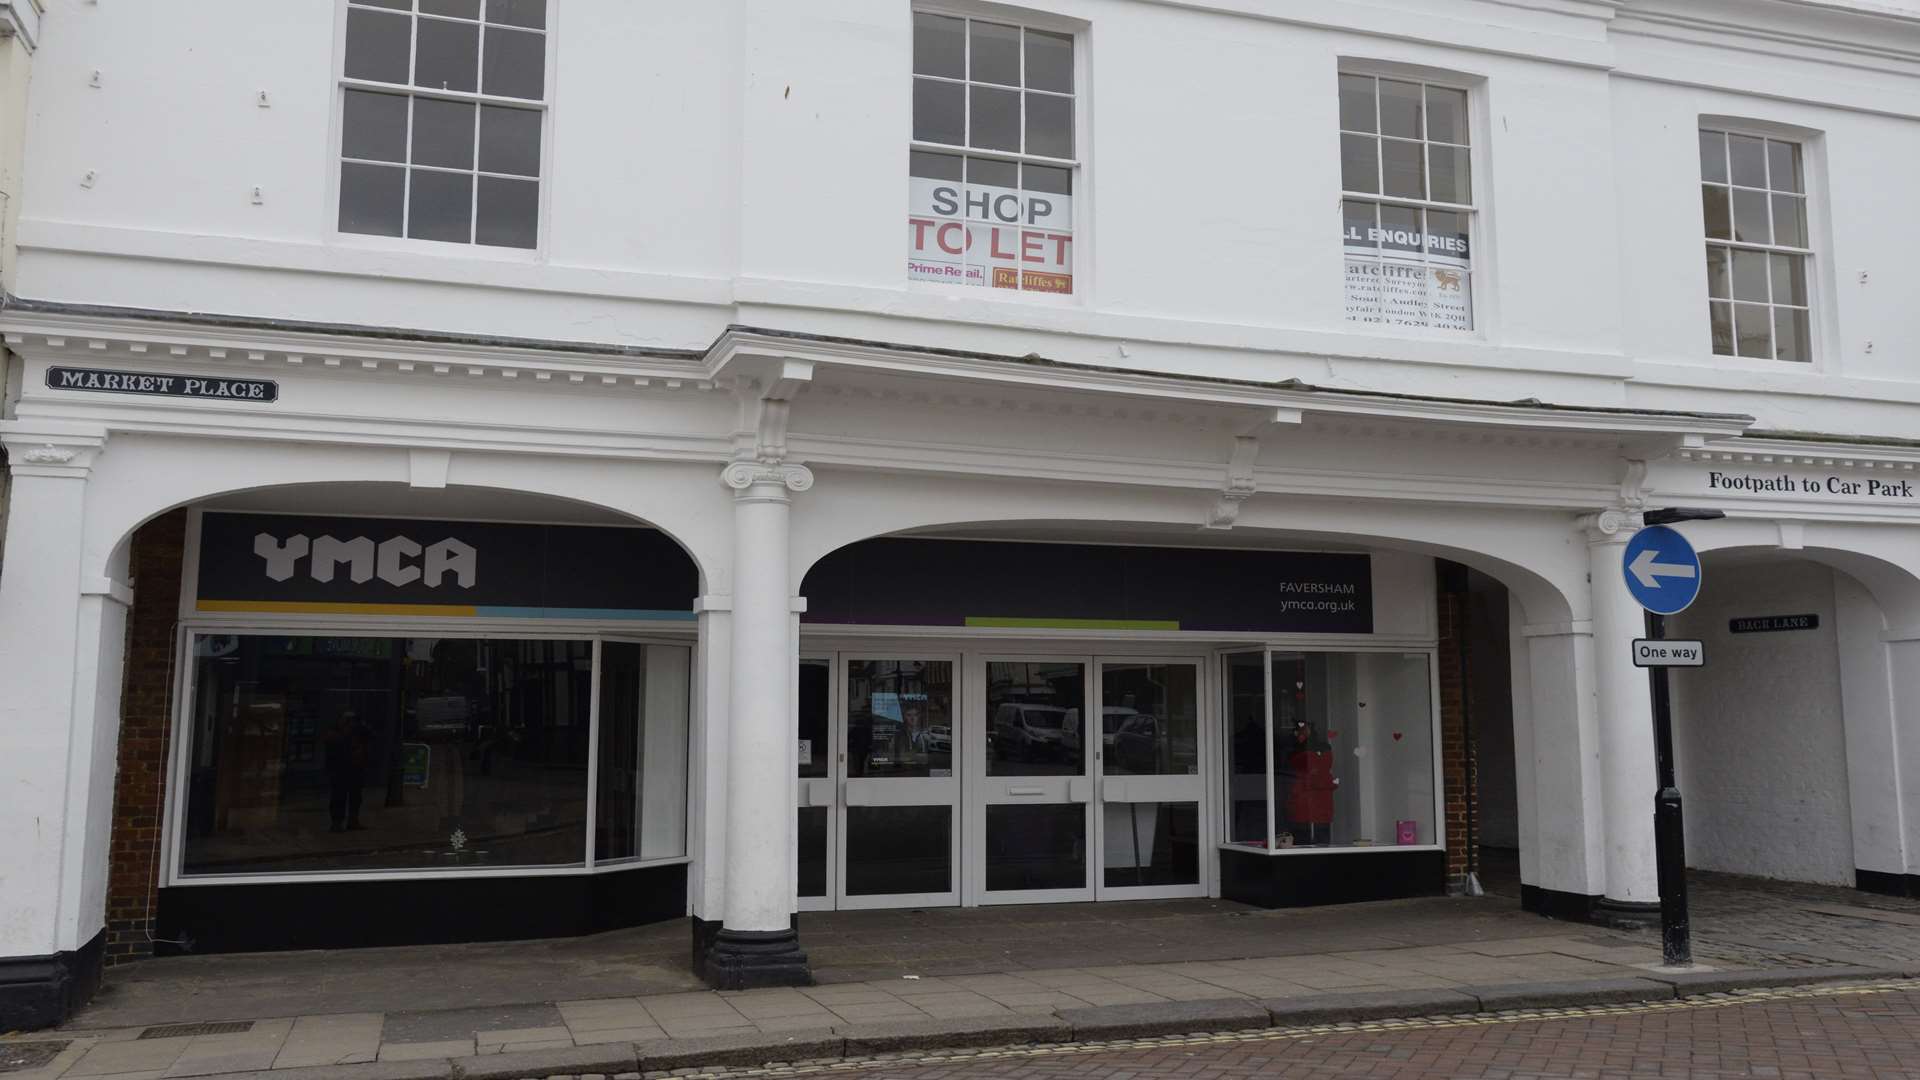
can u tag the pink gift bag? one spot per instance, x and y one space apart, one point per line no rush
1407 832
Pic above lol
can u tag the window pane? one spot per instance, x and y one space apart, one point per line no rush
1247 748
1359 225
1151 844
1402 173
509 213
1400 230
1750 217
1049 126
1353 749
1400 109
1035 712
934 166
370 753
1749 157
516 64
449 55
899 718
1149 719
1750 275
1753 330
1448 234
1446 115
622 681
1047 179
374 126
442 133
995 119
440 206
1783 166
509 140
996 53
372 199
377 45
397 5
459 9
1791 335
810 846
1360 163
531 13
1789 280
939 112
1713 157
939 45
1718 215
1720 315
1049 61
1356 103
899 849
1002 174
1450 173
1717 271
1036 847
1790 220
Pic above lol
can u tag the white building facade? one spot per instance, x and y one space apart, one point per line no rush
504 468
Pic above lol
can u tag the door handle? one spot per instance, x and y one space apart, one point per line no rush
1026 791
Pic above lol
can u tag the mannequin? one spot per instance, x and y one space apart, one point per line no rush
1311 783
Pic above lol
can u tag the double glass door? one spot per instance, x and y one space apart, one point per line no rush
939 779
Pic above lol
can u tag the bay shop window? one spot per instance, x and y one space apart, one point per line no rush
1330 750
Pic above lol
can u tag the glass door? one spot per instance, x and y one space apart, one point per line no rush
899 828
1036 780
816 827
1151 782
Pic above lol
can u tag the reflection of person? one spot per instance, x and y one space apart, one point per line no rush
347 748
1309 771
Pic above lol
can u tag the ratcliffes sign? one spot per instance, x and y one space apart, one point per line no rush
157 384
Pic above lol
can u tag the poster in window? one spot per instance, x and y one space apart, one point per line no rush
1408 278
999 237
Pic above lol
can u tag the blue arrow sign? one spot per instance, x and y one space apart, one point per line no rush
1662 571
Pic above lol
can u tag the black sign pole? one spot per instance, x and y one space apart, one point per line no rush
1669 838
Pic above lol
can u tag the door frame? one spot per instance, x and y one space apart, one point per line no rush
978 782
889 791
1204 722
822 791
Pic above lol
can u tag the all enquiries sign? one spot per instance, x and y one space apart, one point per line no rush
978 234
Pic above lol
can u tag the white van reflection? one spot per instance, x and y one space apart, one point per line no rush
1023 732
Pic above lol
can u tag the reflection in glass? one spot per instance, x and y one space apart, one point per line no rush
1040 846
1246 748
1151 844
899 718
366 753
642 795
899 849
1151 722
1035 717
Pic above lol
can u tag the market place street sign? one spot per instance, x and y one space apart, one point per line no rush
156 384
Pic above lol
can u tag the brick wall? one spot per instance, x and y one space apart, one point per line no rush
1460 802
145 712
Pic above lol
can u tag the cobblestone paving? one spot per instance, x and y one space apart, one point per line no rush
1811 1035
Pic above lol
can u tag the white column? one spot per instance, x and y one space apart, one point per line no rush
1558 729
1628 778
59 707
1870 678
756 945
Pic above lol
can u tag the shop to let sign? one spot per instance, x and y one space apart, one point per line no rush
978 234
156 384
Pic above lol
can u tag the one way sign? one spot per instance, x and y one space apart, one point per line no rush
1662 571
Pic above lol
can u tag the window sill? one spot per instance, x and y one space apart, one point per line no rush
1369 849
442 249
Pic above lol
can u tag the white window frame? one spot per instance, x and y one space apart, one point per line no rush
1481 299
1806 141
337 128
1078 165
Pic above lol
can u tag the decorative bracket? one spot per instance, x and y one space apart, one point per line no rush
1240 484
52 449
766 405
1633 479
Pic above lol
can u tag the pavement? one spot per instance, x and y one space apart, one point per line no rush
891 982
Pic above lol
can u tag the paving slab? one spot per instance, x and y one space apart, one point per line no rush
339 1039
1164 1018
1375 1005
1547 994
1686 983
425 1069
755 1048
890 1036
605 1058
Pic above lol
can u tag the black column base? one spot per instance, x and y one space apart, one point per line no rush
41 991
1886 884
1627 914
750 959
1556 904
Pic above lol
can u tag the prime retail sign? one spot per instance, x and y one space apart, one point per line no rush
156 384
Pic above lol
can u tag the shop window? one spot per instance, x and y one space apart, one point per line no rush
444 102
1407 209
351 754
1330 750
1753 197
993 160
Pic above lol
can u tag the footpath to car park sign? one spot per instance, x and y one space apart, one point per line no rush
1664 653
1662 571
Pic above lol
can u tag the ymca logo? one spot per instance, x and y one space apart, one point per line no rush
364 560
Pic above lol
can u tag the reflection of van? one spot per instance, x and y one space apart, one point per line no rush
1034 732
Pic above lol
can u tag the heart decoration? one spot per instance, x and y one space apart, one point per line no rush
1396 736
1331 735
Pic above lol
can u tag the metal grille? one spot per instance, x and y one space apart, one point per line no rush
174 1031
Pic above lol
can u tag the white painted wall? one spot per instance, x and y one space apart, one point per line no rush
717 161
1760 744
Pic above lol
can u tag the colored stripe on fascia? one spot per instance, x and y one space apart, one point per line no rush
636 614
1006 623
295 607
